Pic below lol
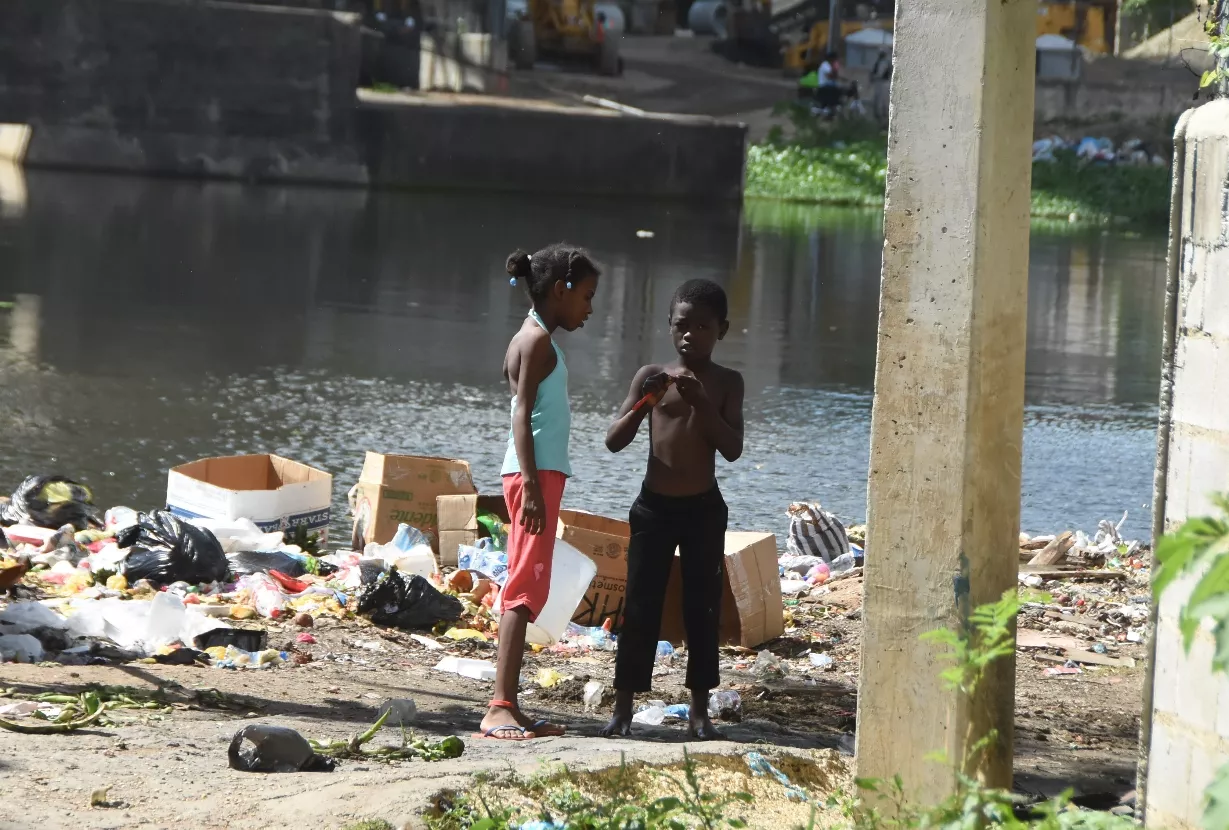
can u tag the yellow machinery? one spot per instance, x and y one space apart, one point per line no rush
1084 22
564 30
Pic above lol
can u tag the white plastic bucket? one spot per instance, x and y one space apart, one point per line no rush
570 575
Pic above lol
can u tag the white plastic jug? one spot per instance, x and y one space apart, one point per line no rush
571 573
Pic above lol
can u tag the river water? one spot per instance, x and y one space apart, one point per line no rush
157 322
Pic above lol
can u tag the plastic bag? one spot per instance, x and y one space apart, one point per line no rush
263 561
396 601
814 531
264 748
51 502
484 559
171 551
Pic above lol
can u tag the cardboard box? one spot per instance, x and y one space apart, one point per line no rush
605 542
396 489
458 522
751 609
274 492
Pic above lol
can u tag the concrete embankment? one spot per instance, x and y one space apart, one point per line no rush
267 93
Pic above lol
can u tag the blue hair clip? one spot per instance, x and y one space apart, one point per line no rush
512 281
569 286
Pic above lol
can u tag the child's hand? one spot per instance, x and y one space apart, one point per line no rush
656 385
692 391
533 509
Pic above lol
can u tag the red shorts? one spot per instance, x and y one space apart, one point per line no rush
530 557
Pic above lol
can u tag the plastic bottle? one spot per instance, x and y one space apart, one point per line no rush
665 653
725 704
651 716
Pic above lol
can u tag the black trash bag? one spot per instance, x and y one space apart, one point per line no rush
370 570
264 748
247 562
51 502
171 551
395 601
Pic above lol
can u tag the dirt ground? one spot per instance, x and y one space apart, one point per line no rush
171 769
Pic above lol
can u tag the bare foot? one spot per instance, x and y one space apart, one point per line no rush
620 726
702 729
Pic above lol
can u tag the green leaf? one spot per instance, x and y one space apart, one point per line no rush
868 784
1216 797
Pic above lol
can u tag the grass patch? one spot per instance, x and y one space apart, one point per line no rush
703 791
846 165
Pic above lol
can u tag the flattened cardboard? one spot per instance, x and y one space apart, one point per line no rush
458 521
396 489
274 492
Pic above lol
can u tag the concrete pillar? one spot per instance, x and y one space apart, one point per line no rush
944 489
1187 727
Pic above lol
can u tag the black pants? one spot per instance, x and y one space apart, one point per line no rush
695 525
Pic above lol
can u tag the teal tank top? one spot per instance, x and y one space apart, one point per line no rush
551 420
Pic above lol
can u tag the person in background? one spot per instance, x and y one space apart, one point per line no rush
828 90
560 281
695 410
881 80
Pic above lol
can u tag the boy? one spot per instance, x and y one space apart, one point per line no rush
696 412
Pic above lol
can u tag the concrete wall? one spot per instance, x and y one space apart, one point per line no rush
265 93
516 145
1082 100
1190 705
181 85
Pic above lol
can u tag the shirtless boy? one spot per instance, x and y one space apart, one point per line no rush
694 411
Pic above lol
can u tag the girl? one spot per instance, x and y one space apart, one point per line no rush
560 281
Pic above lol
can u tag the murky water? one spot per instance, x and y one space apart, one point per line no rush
158 322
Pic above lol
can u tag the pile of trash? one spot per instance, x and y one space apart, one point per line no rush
1098 151
93 587
819 549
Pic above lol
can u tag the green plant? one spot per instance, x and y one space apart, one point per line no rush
616 805
1218 46
1201 547
990 635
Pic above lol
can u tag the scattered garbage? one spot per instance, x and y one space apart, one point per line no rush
21 648
51 502
760 767
415 603
473 669
1096 150
767 663
665 653
166 550
409 552
244 639
725 704
485 560
821 661
265 748
400 710
816 533
593 695
247 562
652 714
